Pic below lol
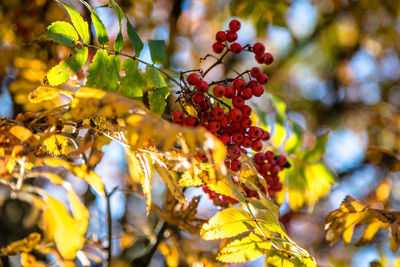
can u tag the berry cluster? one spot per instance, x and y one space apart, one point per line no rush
224 113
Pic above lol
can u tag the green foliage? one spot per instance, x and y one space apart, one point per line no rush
63 33
157 99
97 77
134 38
153 78
112 70
157 52
80 25
101 31
132 83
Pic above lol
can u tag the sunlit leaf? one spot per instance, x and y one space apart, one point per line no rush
63 33
158 99
132 83
101 31
24 245
113 68
171 181
56 144
44 93
97 77
80 25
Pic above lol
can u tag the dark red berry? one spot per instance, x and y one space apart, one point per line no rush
218 47
192 122
251 84
269 58
201 156
258 48
205 105
246 110
281 160
259 158
202 87
255 72
217 113
229 92
231 36
239 84
246 93
214 126
197 99
258 90
220 36
177 116
234 25
219 91
263 78
237 138
269 155
224 121
234 126
246 122
193 79
236 48
225 138
261 58
257 145
238 102
233 151
266 136
246 142
255 132
236 165
235 114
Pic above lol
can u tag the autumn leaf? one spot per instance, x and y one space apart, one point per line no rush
24 245
56 144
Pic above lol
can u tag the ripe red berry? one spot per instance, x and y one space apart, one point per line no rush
218 47
255 132
225 138
197 99
217 113
255 72
201 156
214 126
237 138
238 102
261 58
257 145
246 142
245 122
202 87
281 160
269 58
236 165
235 114
229 92
263 78
224 121
192 122
236 48
233 151
231 36
219 91
258 48
193 79
246 110
239 84
266 136
220 36
269 155
258 90
177 116
246 93
234 126
234 25
204 116
275 170
259 158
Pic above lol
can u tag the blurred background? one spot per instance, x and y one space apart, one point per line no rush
336 67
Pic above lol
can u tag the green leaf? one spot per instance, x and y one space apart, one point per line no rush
132 83
119 42
157 100
293 143
153 78
98 75
113 68
157 52
118 11
63 33
134 38
101 31
80 25
76 62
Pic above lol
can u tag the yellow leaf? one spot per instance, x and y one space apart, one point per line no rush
56 144
44 93
11 165
227 223
248 248
170 253
21 133
63 228
24 245
171 181
28 260
278 135
79 210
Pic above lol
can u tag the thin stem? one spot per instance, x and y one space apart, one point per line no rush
219 100
109 225
21 173
219 61
48 112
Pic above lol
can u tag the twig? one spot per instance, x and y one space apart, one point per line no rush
219 61
109 225
20 180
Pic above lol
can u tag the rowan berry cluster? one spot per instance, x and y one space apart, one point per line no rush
224 112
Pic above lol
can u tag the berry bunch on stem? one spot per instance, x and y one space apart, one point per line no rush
221 109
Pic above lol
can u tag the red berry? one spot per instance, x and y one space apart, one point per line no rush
218 47
235 114
278 186
219 91
177 116
246 93
269 58
257 145
275 170
231 36
217 113
281 160
239 84
263 78
258 90
261 58
259 158
205 105
229 92
246 142
246 122
225 138
258 48
266 136
197 99
220 36
227 164
202 87
234 25
204 116
193 79
201 156
269 155
236 165
255 72
214 126
192 122
255 132
237 138
246 110
238 102
234 126
236 48
233 151
224 121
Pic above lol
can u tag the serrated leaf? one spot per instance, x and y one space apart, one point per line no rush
248 248
56 144
101 31
171 181
157 52
153 78
80 25
76 61
113 68
97 77
158 100
134 38
132 83
227 223
63 33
